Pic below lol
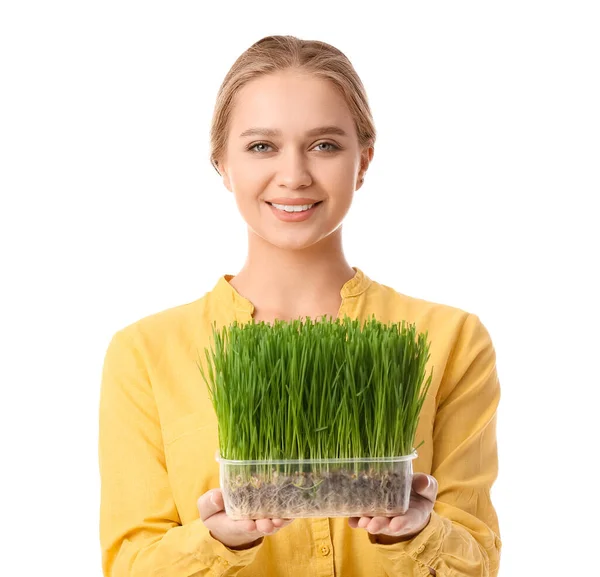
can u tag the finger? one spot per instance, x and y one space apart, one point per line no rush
246 525
210 504
363 522
378 524
353 522
265 526
425 485
281 522
286 522
400 524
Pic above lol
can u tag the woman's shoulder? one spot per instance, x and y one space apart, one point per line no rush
458 335
444 321
415 308
176 324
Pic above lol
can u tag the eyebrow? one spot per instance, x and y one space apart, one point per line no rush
314 132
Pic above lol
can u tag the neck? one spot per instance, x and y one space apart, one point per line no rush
293 280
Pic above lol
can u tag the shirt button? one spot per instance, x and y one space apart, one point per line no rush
421 548
325 550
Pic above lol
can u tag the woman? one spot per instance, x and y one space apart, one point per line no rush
292 131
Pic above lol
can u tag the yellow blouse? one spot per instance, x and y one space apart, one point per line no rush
158 438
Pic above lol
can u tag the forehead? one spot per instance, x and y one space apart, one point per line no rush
289 101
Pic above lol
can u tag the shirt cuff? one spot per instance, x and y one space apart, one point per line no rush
423 547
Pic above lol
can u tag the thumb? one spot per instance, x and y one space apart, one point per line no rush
425 485
210 504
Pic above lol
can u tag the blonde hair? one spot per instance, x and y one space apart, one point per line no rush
277 53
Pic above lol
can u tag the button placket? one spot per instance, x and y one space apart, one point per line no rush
323 547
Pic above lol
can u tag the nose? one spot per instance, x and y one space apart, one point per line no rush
292 171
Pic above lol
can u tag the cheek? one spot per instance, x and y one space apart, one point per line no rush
337 173
248 178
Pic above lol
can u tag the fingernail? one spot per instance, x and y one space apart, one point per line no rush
212 498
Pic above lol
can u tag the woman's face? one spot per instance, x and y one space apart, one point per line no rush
292 160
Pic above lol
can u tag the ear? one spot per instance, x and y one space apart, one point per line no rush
221 168
366 157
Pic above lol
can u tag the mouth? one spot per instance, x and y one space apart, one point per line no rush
311 206
294 215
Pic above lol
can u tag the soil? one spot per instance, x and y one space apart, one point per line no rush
338 493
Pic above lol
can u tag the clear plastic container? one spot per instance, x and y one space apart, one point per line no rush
317 488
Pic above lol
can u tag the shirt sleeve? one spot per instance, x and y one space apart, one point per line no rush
140 530
462 537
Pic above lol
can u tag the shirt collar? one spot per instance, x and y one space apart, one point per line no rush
225 293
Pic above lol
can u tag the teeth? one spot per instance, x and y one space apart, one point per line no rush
289 208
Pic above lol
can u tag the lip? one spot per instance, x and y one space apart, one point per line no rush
293 201
295 216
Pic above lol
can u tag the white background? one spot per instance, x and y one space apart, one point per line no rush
483 191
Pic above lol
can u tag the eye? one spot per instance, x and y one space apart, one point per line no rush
252 148
333 148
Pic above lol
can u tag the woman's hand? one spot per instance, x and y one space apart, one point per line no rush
394 529
234 534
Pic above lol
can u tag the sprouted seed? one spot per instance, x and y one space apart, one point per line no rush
313 391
